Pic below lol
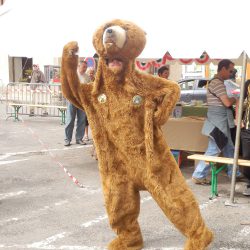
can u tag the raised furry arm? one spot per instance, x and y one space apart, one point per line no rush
71 87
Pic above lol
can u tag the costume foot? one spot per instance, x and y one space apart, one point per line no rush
199 242
118 244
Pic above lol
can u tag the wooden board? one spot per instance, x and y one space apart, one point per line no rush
218 159
37 105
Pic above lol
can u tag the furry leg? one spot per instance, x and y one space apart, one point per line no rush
123 205
170 191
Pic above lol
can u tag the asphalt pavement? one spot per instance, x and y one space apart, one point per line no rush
51 197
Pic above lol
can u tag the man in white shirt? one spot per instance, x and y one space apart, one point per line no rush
83 76
73 111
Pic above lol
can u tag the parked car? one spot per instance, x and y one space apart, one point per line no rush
193 89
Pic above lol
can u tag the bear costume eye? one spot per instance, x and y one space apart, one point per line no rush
106 26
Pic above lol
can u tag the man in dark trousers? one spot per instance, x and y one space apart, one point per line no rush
245 137
37 77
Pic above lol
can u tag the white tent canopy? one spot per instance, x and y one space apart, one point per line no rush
185 28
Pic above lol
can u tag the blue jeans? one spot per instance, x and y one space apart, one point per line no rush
202 168
72 112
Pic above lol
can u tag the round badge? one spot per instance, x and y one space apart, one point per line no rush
137 100
102 98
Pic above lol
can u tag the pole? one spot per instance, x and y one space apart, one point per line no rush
237 139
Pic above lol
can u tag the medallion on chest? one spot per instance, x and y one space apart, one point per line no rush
102 98
136 100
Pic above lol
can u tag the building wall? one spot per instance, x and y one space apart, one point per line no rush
15 69
4 69
175 72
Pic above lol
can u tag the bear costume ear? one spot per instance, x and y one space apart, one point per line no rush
135 40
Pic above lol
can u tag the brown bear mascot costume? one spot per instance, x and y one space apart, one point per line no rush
126 110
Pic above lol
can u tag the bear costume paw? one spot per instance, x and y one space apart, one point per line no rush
200 242
118 244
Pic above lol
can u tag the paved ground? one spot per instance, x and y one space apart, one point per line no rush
42 208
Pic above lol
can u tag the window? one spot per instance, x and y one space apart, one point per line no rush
193 71
187 85
202 84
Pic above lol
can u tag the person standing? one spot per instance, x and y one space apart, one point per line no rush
37 77
85 78
164 71
73 111
231 87
91 72
56 78
218 123
245 137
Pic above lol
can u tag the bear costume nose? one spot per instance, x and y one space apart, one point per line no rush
114 35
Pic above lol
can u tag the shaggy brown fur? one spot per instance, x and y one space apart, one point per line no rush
132 152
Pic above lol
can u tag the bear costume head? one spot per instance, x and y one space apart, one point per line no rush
120 39
117 41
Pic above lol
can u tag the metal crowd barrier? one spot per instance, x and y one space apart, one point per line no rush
38 99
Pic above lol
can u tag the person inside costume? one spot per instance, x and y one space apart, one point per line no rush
126 110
